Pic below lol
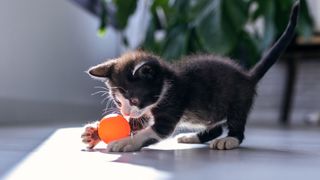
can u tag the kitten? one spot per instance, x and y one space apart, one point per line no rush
202 89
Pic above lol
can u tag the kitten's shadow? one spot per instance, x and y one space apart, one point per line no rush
172 159
101 150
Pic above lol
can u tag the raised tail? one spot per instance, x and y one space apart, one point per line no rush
258 71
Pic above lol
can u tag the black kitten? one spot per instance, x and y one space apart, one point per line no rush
204 89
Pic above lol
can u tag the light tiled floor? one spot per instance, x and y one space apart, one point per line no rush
265 154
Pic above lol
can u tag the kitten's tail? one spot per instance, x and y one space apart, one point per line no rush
258 71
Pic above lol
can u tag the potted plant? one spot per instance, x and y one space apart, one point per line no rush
242 29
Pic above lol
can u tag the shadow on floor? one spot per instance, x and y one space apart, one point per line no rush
188 159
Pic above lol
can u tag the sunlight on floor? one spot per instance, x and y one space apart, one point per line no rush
266 153
62 156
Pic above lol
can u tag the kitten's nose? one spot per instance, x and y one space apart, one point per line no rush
134 101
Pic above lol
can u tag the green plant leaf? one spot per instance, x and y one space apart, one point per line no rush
150 43
176 43
247 52
237 13
124 10
194 43
213 35
305 23
266 10
102 32
220 24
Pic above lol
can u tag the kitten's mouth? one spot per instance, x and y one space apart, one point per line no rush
135 115
137 124
138 120
129 113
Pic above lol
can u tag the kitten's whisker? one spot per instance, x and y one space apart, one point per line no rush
103 100
115 87
101 87
136 124
119 88
107 111
109 104
110 111
144 121
104 94
98 92
107 98
133 124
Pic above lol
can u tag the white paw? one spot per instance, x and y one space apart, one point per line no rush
191 139
123 145
225 143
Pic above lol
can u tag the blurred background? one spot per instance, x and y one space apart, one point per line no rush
46 47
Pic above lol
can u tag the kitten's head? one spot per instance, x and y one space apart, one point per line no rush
135 80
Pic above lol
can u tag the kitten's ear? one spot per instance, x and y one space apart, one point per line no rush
146 70
102 70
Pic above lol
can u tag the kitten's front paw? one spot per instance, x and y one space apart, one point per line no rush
123 145
225 143
191 139
90 136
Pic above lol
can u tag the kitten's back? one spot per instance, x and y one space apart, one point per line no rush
210 69
214 82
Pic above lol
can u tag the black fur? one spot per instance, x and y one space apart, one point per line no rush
200 89
276 50
209 134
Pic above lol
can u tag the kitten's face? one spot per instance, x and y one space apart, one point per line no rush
135 82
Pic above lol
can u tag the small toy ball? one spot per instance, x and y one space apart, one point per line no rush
113 127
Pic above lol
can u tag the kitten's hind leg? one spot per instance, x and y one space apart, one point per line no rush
202 137
236 124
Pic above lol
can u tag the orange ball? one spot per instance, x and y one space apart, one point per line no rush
113 127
